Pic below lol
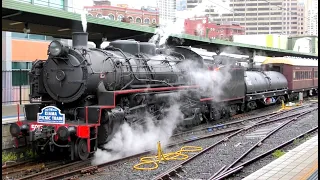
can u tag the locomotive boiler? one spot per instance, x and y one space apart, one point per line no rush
80 96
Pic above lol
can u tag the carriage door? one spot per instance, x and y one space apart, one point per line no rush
312 77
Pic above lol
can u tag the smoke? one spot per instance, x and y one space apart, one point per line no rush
200 30
168 28
130 140
84 21
79 7
211 83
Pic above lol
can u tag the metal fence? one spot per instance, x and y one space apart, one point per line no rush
15 87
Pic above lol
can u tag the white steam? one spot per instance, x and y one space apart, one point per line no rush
130 140
84 21
211 83
169 28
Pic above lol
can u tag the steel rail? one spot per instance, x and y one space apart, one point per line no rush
178 167
239 167
258 144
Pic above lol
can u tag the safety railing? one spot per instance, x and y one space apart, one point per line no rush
15 87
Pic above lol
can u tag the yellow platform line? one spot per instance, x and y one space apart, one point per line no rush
311 171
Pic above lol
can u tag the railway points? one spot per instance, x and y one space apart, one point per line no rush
233 163
297 164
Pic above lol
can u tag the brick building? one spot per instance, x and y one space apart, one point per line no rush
124 14
203 27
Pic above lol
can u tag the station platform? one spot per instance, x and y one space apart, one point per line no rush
11 119
301 163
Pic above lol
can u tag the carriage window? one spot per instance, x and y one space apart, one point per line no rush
275 68
294 75
315 74
305 75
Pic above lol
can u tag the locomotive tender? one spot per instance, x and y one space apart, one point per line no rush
87 93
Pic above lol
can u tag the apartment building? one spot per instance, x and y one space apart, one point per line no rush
167 11
259 16
311 19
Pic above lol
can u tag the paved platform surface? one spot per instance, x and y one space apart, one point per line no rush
297 164
11 110
12 119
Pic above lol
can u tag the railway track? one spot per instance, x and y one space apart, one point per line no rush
267 118
178 170
27 168
231 169
231 125
236 120
56 169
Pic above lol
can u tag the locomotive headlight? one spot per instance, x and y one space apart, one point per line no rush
56 48
72 130
63 133
25 129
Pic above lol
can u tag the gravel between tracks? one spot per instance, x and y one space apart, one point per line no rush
124 170
202 167
292 130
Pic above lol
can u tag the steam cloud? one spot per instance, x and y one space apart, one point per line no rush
169 28
130 140
84 21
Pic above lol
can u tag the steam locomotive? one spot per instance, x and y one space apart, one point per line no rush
87 93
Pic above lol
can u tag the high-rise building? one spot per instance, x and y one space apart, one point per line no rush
181 5
167 9
259 16
311 19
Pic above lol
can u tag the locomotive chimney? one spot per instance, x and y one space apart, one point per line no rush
80 40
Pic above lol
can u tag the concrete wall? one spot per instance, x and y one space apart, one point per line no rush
7 140
269 40
6 51
8 110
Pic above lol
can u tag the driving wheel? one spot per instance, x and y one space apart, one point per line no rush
81 149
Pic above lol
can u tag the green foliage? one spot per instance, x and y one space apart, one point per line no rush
278 153
307 136
8 156
30 154
14 156
296 141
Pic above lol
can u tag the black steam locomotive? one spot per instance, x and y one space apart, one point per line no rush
87 93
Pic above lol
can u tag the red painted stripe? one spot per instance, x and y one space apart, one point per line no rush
153 89
209 99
